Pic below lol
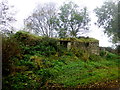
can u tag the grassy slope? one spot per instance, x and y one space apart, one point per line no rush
84 73
42 61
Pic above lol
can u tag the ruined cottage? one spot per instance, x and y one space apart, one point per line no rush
91 45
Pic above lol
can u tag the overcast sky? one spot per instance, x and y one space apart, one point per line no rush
25 8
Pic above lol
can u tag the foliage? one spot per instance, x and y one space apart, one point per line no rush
118 49
83 74
26 38
31 44
94 57
41 20
41 61
111 55
6 17
82 54
46 21
10 49
71 21
38 61
102 53
108 19
26 80
80 39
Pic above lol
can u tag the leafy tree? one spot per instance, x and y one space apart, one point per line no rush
67 21
71 20
6 17
109 20
41 21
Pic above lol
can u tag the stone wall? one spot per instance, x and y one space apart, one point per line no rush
91 47
94 47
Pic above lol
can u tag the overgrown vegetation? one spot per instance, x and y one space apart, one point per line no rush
81 39
34 62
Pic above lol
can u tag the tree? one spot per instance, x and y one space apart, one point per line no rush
6 17
41 21
66 22
109 20
71 20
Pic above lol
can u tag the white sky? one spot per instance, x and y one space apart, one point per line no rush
25 7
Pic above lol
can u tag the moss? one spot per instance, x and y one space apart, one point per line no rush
87 40
79 39
27 38
31 37
24 33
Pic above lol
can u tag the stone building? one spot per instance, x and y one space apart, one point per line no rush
91 45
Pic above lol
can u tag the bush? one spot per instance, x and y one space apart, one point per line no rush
45 75
32 44
26 80
10 49
82 54
48 46
94 57
103 53
26 38
38 61
111 56
108 55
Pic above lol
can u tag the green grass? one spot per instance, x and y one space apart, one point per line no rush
84 73
41 61
66 70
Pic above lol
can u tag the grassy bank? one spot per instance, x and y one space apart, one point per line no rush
84 73
32 62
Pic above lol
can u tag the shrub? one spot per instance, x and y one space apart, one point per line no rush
111 55
38 61
48 46
32 44
94 57
103 53
85 56
45 75
25 81
26 38
16 69
10 49
82 54
108 55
